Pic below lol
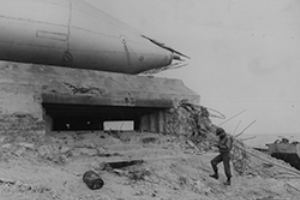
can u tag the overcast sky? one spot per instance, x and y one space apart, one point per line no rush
245 53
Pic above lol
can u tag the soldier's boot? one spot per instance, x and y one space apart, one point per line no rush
228 182
215 176
215 168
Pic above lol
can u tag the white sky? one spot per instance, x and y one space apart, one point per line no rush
245 53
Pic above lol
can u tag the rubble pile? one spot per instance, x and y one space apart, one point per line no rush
240 158
189 120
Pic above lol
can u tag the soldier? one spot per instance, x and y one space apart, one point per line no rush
225 146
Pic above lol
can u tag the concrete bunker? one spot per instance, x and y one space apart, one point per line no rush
40 99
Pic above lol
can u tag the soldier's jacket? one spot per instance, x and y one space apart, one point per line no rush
225 144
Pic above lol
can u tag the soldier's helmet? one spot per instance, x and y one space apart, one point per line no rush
220 131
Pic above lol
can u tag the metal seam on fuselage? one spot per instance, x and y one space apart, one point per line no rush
123 40
31 20
51 35
67 57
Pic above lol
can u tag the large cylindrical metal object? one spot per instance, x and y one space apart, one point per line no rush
74 34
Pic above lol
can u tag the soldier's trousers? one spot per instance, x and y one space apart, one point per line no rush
225 157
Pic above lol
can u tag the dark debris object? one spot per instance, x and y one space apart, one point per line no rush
93 180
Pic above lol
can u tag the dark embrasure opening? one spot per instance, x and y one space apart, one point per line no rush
74 117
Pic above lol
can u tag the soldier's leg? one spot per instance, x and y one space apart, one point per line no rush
214 163
226 162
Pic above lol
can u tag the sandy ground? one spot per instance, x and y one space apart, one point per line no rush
52 169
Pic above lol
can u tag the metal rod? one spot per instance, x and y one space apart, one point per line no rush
249 138
234 116
253 122
237 126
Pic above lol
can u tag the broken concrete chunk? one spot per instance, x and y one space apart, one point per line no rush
93 180
122 164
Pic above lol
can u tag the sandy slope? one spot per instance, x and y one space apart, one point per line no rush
52 168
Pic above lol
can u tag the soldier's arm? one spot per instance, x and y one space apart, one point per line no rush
224 144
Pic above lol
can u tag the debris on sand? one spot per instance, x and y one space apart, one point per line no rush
122 164
93 180
142 172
